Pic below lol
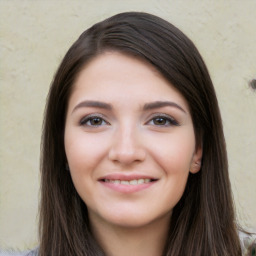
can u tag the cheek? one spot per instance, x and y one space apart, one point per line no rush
175 166
83 155
174 153
83 151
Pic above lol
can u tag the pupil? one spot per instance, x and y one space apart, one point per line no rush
160 121
96 121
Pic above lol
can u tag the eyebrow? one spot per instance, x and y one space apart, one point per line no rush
147 106
93 104
161 104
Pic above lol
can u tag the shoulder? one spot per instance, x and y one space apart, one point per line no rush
15 253
248 243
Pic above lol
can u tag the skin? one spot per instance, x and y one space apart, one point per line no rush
115 127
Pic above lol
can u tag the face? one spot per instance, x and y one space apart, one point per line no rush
129 141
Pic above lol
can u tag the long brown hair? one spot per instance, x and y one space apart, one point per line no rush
203 222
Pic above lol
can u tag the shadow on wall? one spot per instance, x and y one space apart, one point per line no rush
252 84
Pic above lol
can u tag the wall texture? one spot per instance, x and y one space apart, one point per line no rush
34 36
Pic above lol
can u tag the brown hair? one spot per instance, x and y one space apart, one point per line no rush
203 222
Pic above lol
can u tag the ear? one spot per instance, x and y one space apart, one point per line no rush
196 162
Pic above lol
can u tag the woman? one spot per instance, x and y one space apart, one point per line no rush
133 153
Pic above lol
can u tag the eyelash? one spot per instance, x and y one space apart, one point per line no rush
89 118
168 121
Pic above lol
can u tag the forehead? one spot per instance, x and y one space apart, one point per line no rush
116 75
114 64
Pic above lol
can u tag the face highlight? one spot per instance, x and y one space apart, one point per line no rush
129 141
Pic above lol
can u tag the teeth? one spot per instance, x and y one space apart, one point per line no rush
133 182
128 182
125 182
140 181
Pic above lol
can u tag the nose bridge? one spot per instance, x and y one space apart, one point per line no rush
126 145
127 136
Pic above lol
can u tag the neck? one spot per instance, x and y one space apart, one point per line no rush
148 240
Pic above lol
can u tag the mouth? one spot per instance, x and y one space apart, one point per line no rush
132 182
127 184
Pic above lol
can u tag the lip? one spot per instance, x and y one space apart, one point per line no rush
122 176
123 188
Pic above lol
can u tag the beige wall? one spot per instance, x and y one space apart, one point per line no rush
34 35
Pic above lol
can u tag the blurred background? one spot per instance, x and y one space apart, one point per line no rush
35 35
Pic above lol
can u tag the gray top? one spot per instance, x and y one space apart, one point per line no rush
247 241
13 253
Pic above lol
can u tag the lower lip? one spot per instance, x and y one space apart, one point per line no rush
123 188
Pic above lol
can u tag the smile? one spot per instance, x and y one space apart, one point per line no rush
129 182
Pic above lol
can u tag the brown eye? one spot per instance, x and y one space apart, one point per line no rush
93 121
163 120
159 121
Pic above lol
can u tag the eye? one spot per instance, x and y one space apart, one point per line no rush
163 120
94 121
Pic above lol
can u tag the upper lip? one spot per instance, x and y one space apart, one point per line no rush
122 176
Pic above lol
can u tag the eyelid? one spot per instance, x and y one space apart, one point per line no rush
86 118
173 121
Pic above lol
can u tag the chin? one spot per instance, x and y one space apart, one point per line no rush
130 223
134 219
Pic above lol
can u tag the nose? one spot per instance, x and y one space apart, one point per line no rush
127 147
